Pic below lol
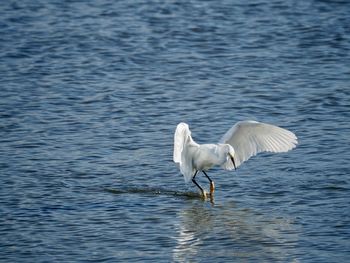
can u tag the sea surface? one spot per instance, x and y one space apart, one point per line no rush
92 91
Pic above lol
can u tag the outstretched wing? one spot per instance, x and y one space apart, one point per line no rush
248 138
182 152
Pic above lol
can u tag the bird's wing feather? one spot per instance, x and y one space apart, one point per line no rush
179 140
248 138
182 155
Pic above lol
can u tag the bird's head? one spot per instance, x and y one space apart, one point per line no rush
231 154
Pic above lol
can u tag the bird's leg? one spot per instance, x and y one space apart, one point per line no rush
212 186
194 181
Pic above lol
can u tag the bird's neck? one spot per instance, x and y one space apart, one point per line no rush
191 142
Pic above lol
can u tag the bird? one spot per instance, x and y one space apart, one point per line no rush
242 141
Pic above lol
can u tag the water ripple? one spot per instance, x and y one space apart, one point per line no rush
91 94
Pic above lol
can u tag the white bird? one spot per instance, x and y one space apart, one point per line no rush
244 140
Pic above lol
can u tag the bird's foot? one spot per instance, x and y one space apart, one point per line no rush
212 188
206 195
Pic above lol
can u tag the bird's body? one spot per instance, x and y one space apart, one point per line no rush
207 155
243 140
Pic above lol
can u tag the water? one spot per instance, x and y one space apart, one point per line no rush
91 93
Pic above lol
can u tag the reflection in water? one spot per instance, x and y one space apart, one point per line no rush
193 224
229 232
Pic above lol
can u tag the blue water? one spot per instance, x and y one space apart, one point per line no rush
91 93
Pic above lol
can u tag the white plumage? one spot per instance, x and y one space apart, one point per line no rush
244 140
249 138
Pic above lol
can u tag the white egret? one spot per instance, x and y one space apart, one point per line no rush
244 140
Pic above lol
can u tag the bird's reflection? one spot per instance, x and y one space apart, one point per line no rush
194 222
229 231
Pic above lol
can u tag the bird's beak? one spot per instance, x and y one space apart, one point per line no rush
233 161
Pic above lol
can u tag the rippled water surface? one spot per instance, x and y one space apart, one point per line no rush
91 93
